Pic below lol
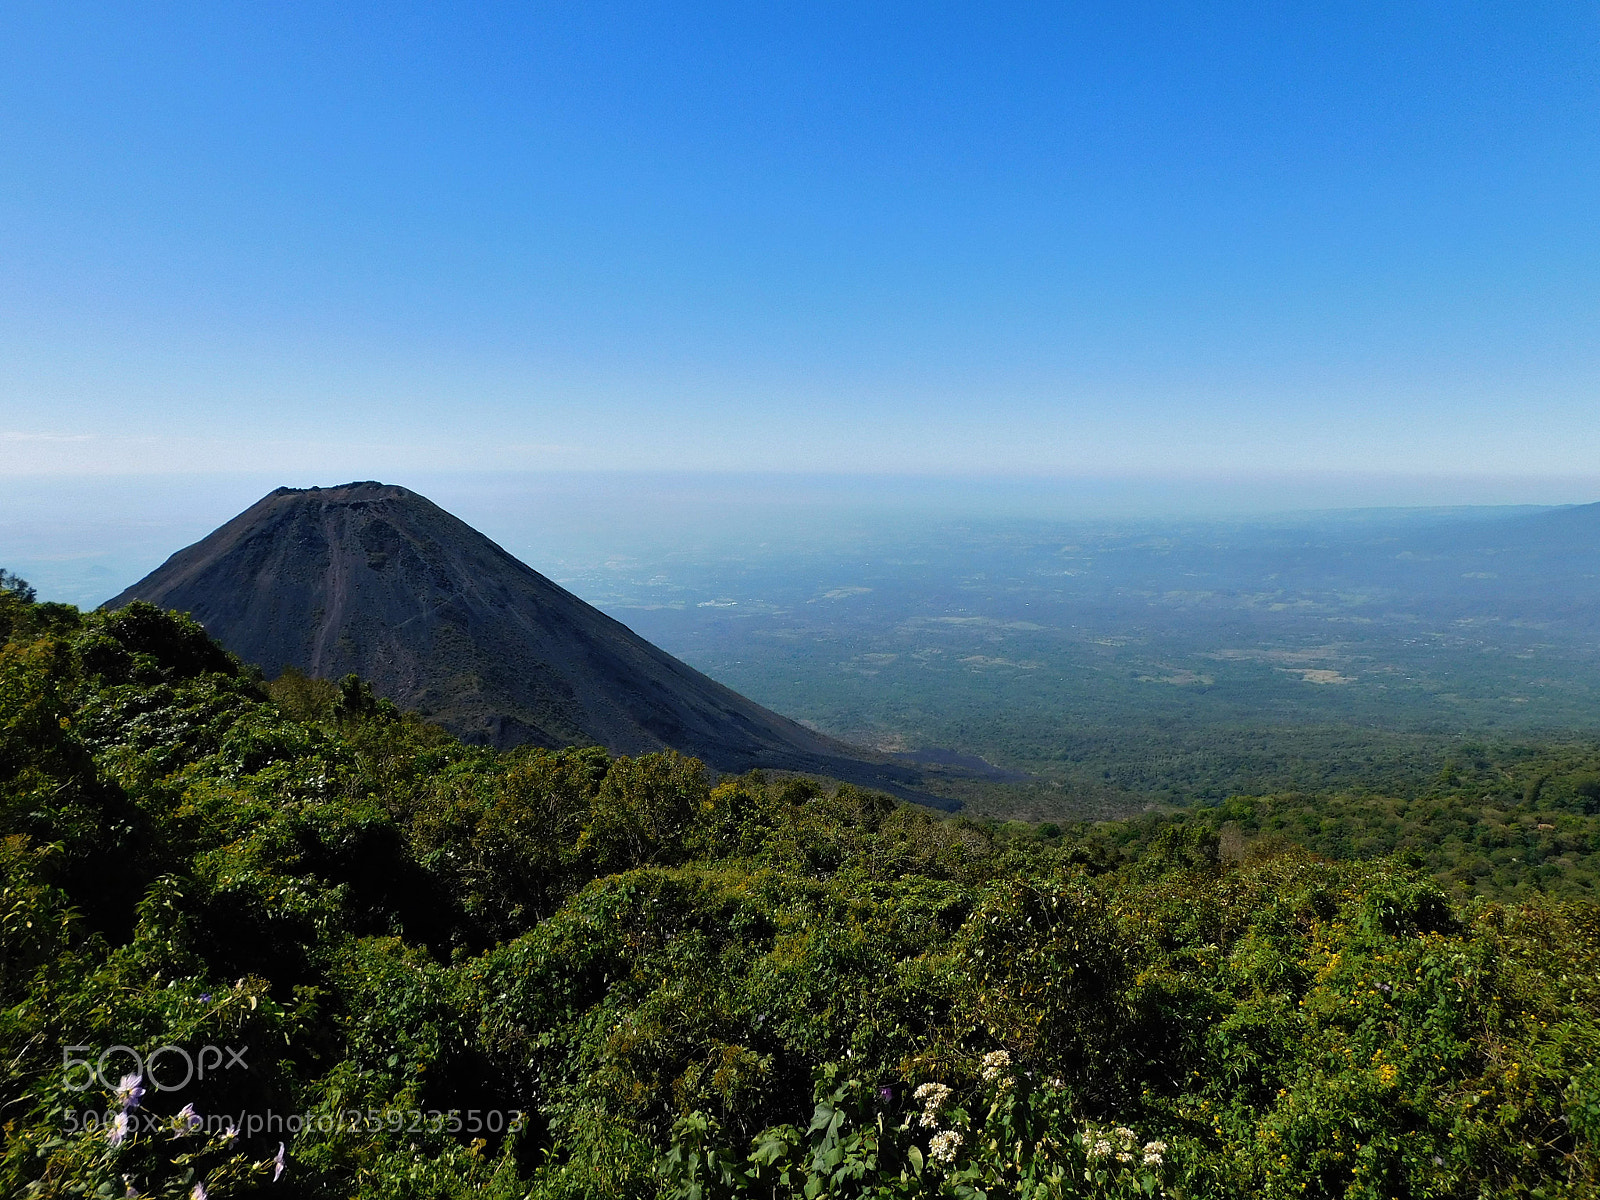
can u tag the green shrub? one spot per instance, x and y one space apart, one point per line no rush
665 985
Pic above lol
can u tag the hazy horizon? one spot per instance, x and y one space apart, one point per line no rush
82 538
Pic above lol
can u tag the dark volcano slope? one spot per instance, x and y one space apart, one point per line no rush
377 580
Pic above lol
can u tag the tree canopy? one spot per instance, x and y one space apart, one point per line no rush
560 973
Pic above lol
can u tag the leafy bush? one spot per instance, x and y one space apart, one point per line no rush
563 974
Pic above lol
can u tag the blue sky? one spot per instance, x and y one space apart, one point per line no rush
327 241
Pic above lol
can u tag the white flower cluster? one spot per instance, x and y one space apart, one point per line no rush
942 1148
933 1097
1122 1144
1127 1139
994 1065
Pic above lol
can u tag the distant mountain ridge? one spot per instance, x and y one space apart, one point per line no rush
375 579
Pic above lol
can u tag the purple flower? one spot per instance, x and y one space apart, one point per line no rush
205 997
187 1120
886 1094
118 1129
198 1192
278 1163
130 1091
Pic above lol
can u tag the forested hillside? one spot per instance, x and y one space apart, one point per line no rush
284 940
1501 822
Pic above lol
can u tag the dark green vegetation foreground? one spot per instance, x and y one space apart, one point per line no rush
698 990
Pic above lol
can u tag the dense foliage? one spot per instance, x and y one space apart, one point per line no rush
563 974
1502 822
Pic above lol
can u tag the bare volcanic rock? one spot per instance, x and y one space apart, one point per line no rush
377 580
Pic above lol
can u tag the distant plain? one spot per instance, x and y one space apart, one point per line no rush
1124 662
